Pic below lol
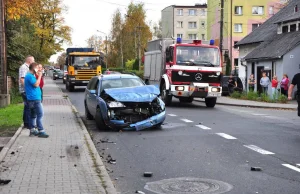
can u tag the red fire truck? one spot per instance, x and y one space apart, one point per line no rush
184 69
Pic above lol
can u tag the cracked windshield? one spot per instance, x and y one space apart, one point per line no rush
149 97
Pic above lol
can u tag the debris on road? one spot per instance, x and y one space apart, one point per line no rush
12 153
76 147
256 169
62 156
148 174
4 182
105 141
75 165
140 192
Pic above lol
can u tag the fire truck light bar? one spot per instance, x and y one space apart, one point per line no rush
212 42
178 40
197 41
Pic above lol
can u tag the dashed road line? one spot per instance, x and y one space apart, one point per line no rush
298 165
187 121
203 127
292 167
256 114
172 115
226 136
258 149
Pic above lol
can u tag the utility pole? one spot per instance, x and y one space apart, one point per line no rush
231 24
221 26
106 57
139 45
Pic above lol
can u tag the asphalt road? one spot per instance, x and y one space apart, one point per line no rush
220 144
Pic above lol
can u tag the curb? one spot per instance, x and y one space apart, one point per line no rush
11 142
251 106
109 187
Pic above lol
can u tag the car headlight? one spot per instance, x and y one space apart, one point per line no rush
218 73
180 72
162 104
116 104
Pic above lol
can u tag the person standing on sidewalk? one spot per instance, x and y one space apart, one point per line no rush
295 82
265 82
33 93
284 85
251 83
22 73
42 80
274 87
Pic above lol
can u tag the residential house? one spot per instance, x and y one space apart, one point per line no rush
186 22
274 47
241 17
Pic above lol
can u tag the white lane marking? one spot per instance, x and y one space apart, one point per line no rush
187 121
272 117
298 165
258 149
292 167
172 115
255 114
203 127
226 136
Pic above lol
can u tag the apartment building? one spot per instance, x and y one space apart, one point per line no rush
186 22
240 19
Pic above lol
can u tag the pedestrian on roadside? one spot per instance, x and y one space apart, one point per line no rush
295 82
265 82
40 67
231 84
251 83
284 84
33 93
274 87
22 73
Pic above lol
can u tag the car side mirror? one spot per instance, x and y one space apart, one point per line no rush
171 63
92 91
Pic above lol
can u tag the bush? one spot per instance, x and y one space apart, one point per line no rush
236 94
282 98
15 96
129 64
252 95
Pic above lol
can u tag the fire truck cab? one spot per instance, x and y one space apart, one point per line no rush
184 69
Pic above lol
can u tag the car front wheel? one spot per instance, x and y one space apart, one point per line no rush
99 121
87 113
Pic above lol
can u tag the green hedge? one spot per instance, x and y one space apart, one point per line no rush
254 96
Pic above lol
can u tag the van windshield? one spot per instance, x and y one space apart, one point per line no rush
197 56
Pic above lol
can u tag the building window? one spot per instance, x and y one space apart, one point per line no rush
238 10
271 10
179 35
203 36
192 25
179 24
293 28
192 12
238 28
285 29
236 62
254 26
258 10
202 12
179 11
192 36
203 24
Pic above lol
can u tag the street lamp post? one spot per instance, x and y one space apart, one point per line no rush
105 48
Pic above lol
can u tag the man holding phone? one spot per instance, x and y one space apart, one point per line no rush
34 97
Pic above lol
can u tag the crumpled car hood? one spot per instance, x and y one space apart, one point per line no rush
134 94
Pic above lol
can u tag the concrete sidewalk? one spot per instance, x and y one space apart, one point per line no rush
66 162
291 105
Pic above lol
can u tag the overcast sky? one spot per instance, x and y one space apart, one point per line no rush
85 17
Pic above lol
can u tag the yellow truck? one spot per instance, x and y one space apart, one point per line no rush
82 64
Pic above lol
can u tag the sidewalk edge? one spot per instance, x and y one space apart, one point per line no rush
11 142
251 106
109 187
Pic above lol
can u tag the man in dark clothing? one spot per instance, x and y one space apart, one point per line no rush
231 84
295 81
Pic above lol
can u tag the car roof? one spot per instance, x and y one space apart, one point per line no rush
115 76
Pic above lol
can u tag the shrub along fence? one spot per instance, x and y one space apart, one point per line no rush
255 96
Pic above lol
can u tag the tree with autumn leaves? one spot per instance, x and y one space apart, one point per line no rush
34 27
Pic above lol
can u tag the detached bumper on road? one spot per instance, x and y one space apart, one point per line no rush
145 124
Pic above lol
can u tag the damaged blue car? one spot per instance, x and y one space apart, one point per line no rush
123 101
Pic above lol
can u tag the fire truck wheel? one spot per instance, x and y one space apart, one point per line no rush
210 102
165 95
186 99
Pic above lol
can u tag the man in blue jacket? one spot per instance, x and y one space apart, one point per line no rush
33 94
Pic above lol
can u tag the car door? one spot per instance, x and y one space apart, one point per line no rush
89 94
94 98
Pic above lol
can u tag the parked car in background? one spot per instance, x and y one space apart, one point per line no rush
57 74
65 76
123 101
225 87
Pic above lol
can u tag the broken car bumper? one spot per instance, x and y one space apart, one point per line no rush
145 124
